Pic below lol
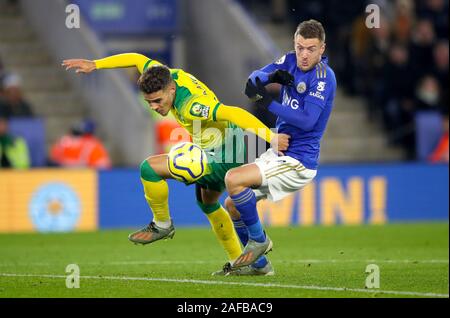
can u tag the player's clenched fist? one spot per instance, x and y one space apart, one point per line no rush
280 143
80 65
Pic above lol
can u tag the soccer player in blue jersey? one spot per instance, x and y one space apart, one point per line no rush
307 100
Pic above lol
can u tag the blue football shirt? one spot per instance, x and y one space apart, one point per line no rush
316 86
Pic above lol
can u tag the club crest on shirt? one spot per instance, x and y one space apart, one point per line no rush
199 110
301 87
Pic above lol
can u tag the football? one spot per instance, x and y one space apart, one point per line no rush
187 162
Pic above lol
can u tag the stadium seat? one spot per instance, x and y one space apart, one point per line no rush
428 131
33 131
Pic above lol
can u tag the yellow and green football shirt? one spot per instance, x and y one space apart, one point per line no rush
195 109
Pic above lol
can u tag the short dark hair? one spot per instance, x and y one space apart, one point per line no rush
311 29
154 79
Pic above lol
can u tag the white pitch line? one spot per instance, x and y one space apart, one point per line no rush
211 282
428 261
439 261
184 262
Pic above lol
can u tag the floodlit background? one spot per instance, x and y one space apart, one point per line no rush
388 132
384 156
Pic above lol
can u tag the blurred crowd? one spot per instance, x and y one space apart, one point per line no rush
78 148
400 68
12 102
14 151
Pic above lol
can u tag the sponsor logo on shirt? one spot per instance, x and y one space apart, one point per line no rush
317 95
289 101
321 86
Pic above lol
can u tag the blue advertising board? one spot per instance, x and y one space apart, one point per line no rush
340 194
122 202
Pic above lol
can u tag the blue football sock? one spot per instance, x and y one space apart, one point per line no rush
245 203
242 232
261 262
256 232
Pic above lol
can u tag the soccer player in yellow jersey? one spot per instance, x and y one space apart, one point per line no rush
191 102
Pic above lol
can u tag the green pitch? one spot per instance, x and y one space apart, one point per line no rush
309 262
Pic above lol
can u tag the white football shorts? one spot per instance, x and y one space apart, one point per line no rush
281 176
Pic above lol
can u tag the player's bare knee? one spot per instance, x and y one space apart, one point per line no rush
229 204
231 208
232 179
158 164
154 161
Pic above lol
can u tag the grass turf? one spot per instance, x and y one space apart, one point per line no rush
309 262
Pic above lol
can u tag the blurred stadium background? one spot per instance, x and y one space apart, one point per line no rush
384 155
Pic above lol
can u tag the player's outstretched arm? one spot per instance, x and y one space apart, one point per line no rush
80 65
114 61
245 120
